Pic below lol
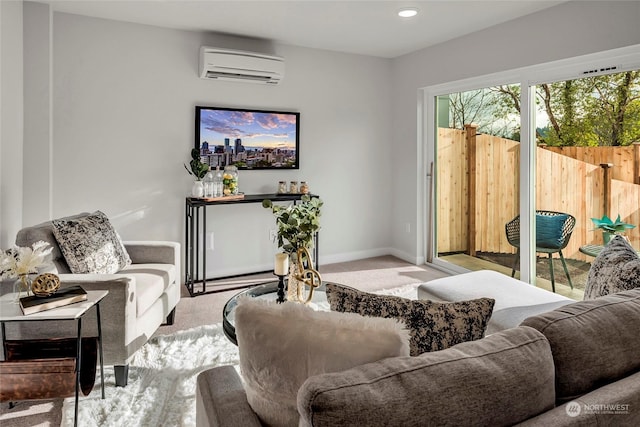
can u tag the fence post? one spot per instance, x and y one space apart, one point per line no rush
636 162
470 136
606 167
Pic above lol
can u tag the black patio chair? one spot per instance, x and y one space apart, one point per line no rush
553 231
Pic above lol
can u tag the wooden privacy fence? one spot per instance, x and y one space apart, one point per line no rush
626 159
478 193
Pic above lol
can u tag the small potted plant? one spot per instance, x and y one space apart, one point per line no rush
610 228
297 225
198 170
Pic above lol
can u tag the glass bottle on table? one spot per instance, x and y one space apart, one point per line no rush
208 184
218 183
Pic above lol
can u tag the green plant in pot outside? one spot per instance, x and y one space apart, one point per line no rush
610 228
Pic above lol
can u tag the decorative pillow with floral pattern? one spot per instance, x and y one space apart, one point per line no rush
90 244
432 325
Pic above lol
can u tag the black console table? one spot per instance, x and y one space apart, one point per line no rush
195 238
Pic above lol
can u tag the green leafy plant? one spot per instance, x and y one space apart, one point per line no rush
297 223
198 169
607 225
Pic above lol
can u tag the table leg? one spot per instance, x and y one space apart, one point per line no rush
78 362
100 348
4 339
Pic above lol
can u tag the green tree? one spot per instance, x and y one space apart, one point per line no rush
613 110
593 111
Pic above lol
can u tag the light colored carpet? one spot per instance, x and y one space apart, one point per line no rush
368 275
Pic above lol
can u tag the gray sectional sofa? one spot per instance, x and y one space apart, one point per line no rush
575 365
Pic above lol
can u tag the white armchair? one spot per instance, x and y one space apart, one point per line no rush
142 296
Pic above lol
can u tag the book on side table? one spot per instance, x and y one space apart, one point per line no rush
66 296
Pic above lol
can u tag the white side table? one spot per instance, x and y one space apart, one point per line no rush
11 312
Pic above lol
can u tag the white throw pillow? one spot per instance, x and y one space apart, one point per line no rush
281 345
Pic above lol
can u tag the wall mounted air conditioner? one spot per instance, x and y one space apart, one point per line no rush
238 65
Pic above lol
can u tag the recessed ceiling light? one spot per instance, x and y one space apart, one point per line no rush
408 12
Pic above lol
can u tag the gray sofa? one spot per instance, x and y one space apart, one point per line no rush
576 365
142 296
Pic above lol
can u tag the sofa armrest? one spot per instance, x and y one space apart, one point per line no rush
221 400
154 252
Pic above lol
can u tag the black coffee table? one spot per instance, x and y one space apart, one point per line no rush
267 291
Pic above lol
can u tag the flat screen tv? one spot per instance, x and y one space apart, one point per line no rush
248 139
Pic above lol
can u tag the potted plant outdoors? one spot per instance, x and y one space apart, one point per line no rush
610 228
198 170
297 225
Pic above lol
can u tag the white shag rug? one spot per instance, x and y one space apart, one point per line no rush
162 382
162 379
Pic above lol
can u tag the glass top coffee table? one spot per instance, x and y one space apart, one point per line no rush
267 291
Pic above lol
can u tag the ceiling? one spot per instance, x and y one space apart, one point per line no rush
357 26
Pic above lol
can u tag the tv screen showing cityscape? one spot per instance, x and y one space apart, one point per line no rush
248 139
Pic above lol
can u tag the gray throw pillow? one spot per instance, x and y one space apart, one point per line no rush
90 244
433 325
615 269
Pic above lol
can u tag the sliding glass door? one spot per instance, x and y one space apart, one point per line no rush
586 160
521 162
476 173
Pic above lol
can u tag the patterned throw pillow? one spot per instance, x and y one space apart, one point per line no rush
90 245
433 325
615 269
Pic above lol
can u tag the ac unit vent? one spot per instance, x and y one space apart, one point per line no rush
600 70
235 65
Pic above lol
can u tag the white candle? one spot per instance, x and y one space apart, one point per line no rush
282 264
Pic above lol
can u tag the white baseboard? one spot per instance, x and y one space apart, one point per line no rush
324 260
417 260
239 271
353 256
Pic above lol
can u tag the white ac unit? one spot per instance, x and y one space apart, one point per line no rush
238 65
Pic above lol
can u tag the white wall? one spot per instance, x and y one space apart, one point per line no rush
11 120
121 125
123 100
568 30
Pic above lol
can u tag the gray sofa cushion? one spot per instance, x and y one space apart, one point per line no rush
483 382
433 325
613 405
593 342
615 269
152 280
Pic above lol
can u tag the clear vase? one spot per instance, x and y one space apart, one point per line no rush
22 286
